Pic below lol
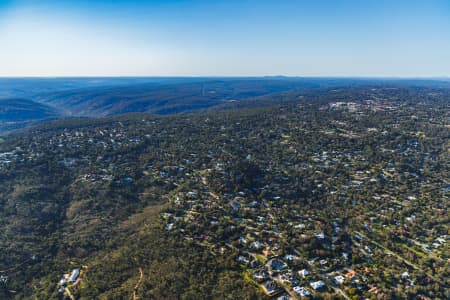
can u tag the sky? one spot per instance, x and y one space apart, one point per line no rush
345 38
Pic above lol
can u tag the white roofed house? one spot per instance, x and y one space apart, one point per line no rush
303 273
73 277
301 291
260 275
339 279
317 285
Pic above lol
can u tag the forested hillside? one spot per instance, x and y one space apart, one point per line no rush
246 203
25 100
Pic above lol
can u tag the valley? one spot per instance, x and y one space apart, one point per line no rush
324 194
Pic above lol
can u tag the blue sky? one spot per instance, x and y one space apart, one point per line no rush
225 38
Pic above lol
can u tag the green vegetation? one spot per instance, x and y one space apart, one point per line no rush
349 185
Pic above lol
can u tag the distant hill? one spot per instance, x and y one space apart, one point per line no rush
28 87
176 95
18 113
16 110
165 98
31 99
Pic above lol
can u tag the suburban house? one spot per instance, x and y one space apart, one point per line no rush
317 285
74 275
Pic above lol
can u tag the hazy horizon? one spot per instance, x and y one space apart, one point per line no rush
226 77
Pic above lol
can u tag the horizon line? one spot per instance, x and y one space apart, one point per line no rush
429 77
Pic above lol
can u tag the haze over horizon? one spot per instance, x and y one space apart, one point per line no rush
225 38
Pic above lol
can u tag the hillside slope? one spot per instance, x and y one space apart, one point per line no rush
16 110
183 198
164 98
19 113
